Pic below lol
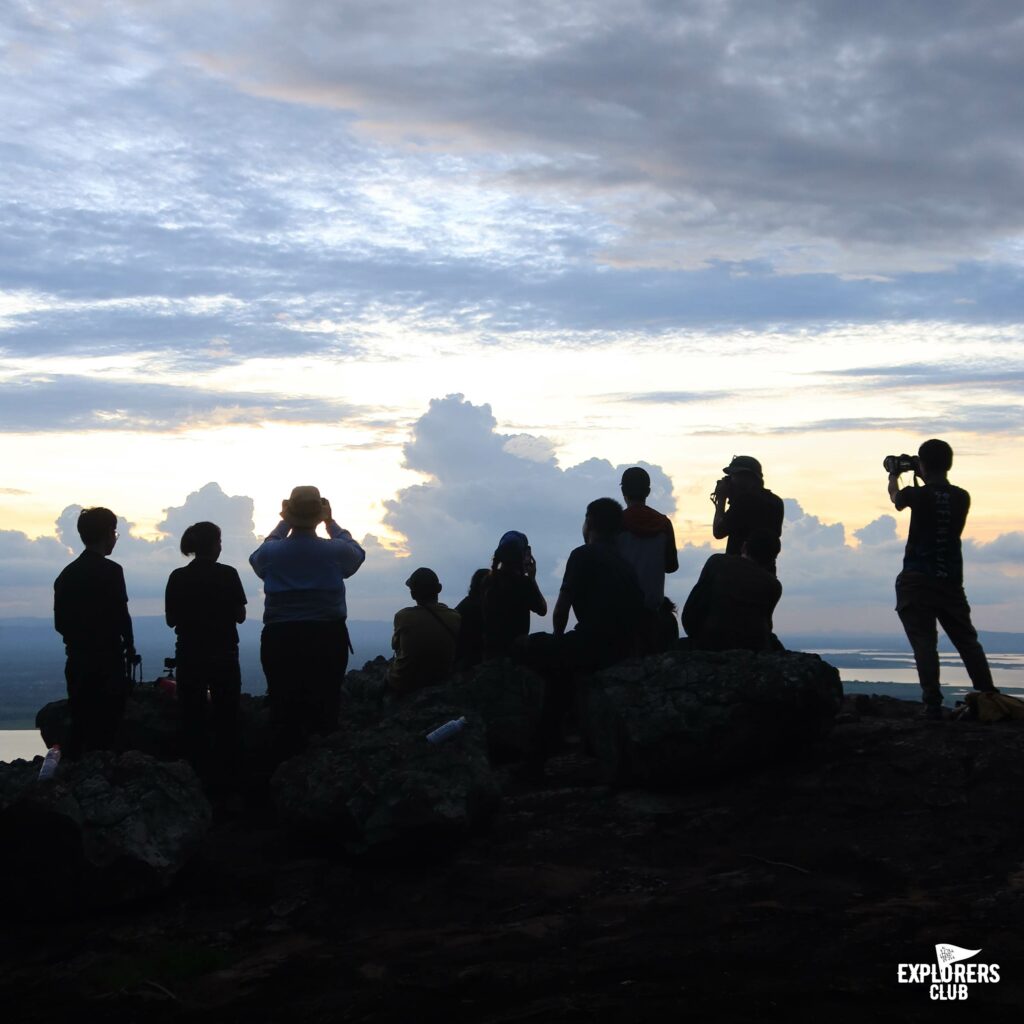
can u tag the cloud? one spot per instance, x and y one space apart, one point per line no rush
476 485
58 403
809 135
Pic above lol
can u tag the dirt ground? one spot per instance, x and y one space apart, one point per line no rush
791 895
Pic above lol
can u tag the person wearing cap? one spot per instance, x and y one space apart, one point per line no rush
732 603
648 542
743 504
425 636
510 595
305 645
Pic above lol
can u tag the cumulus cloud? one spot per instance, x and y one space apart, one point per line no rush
475 486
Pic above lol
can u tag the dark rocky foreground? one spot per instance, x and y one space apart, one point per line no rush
788 883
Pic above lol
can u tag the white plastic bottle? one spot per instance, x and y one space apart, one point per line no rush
50 762
446 731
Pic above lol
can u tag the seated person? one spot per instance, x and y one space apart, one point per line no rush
732 603
510 595
470 648
425 636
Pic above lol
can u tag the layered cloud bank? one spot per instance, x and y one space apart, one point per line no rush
477 483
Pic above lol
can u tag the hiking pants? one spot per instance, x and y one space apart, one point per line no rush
97 693
921 602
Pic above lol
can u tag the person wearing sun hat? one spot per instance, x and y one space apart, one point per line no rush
305 645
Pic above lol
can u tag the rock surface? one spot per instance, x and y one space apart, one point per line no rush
789 894
103 830
670 720
383 789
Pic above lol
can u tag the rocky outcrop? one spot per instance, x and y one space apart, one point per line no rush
670 720
103 830
150 726
385 790
508 698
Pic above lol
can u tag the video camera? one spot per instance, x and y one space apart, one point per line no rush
902 464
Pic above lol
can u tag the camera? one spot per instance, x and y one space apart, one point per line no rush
723 490
902 464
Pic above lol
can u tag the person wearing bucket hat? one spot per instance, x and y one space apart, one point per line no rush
743 504
425 636
510 595
305 645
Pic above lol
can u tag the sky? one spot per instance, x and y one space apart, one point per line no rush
458 264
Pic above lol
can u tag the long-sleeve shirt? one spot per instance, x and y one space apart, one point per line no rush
303 575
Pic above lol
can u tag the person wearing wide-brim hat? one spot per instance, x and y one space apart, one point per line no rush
743 504
304 647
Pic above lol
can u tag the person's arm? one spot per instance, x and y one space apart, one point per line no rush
671 552
348 553
560 616
127 633
538 604
170 603
258 558
900 498
695 610
720 524
238 597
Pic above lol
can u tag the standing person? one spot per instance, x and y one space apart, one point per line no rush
305 645
930 589
510 595
470 648
743 503
90 611
425 636
648 542
203 603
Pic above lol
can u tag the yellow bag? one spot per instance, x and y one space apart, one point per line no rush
995 707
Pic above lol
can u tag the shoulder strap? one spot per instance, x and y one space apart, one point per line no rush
449 630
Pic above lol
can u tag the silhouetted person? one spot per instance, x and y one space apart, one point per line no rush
668 626
648 542
930 589
601 588
732 603
510 595
305 645
425 636
743 503
470 648
203 603
90 611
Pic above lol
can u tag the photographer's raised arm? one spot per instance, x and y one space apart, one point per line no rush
894 492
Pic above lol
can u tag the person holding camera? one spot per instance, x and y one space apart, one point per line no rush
305 645
743 504
510 594
930 589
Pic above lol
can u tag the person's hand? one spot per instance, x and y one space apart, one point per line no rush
325 507
284 507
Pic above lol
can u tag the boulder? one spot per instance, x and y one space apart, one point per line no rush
673 719
508 698
150 725
103 830
385 790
